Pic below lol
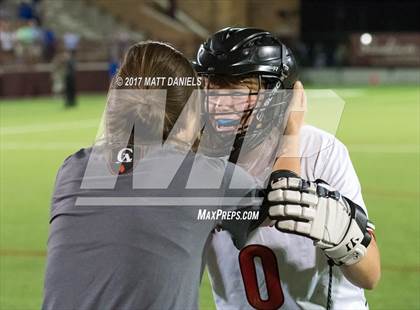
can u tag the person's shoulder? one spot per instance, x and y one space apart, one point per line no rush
80 156
311 133
315 140
70 173
75 164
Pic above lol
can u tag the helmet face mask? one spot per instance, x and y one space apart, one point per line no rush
240 117
233 112
231 109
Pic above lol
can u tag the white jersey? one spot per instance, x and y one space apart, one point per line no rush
302 268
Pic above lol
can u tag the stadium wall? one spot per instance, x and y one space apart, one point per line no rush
37 81
361 76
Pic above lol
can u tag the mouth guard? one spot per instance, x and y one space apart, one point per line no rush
227 122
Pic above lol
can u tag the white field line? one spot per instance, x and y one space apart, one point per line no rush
384 148
350 92
92 123
88 123
353 148
47 146
328 93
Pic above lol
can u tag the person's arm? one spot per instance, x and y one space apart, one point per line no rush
290 158
340 174
367 272
337 225
328 233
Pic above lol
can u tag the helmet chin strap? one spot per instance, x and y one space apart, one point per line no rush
237 146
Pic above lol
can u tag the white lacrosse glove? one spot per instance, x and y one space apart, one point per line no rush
314 209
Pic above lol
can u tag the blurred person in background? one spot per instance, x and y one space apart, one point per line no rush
58 74
114 55
29 10
7 41
70 99
71 42
26 10
113 65
28 42
49 44
118 46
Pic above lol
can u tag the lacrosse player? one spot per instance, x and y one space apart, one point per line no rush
319 251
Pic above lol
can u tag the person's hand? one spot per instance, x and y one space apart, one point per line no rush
316 210
295 121
297 109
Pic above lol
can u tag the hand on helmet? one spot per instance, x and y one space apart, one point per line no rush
297 109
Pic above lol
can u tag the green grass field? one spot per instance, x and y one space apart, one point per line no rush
380 126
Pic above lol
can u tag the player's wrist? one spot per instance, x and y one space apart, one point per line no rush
353 247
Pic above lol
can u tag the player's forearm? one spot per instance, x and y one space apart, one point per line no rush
289 158
367 272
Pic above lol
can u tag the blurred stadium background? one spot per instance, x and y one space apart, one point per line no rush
368 52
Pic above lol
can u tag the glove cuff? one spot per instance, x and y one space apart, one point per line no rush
354 245
283 173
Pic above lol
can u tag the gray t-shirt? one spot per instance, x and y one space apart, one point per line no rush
125 255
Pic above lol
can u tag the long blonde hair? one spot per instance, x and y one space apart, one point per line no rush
137 101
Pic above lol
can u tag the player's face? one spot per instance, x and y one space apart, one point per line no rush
231 109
